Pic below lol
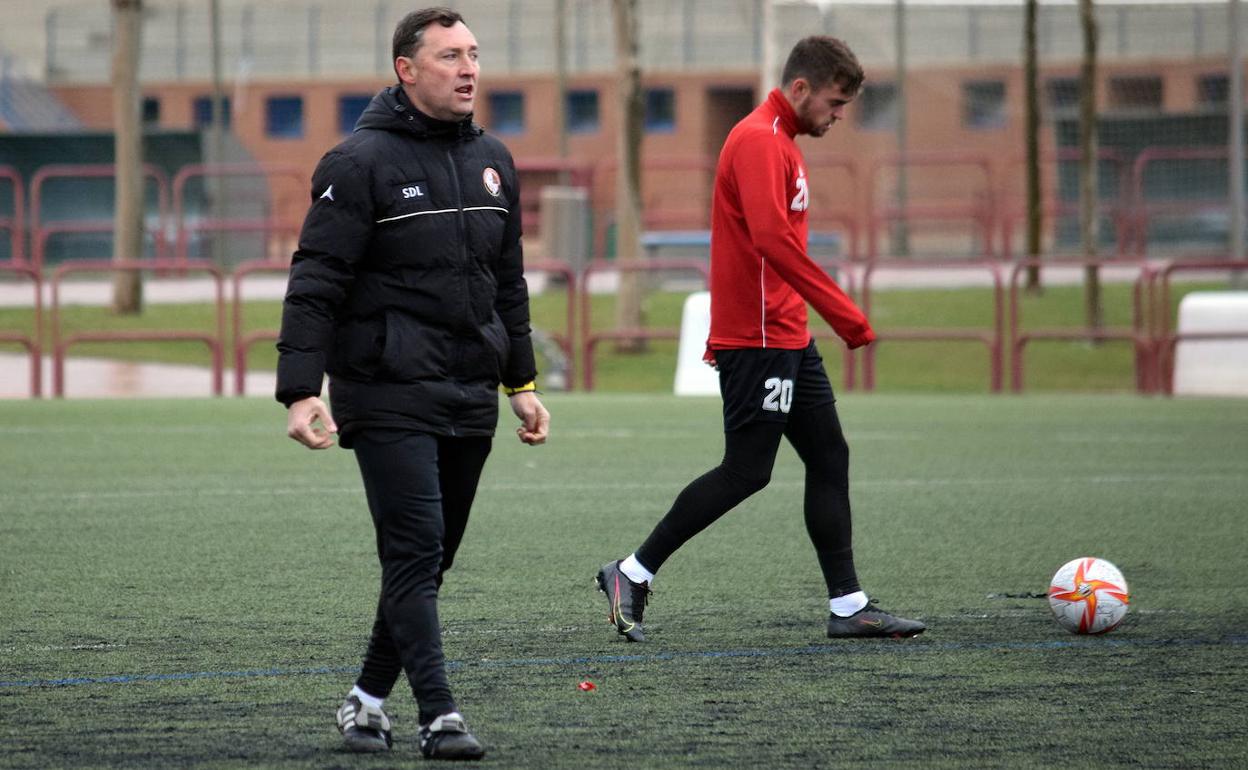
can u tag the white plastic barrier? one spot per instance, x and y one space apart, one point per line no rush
693 376
1212 367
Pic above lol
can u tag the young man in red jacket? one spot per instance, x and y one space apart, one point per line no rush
770 374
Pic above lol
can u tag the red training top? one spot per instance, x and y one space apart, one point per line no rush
761 275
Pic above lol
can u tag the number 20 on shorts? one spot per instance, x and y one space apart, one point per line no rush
779 396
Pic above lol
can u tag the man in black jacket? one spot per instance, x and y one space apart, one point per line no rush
408 290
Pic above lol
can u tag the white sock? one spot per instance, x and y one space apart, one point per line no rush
847 605
366 699
633 570
449 715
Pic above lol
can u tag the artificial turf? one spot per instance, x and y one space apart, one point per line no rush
182 586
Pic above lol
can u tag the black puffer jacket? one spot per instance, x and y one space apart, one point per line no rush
408 286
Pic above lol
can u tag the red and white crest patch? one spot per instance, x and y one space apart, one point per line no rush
493 183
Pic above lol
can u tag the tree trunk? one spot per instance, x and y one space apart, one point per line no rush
216 131
1035 213
628 177
766 14
128 155
561 85
901 228
1235 140
1089 216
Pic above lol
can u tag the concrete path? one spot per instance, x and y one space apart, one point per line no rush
155 291
273 287
107 378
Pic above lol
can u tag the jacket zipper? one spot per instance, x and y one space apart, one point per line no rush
463 253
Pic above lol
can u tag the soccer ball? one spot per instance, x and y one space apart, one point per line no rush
1088 596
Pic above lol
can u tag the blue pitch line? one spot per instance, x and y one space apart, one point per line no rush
133 678
818 649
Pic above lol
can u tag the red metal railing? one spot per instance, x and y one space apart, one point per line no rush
992 337
1138 333
590 338
269 226
41 234
694 214
841 172
15 225
843 274
530 170
1150 330
566 339
31 341
40 231
1165 340
1013 210
841 221
1143 211
979 210
62 342
244 342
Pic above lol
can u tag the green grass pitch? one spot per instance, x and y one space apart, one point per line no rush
182 586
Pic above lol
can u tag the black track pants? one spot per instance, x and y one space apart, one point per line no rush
749 455
420 489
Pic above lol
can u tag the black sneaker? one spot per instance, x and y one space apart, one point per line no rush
363 728
627 600
447 737
871 621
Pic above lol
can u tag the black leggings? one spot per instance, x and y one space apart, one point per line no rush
420 489
749 454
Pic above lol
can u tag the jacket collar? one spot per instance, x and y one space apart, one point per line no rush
391 110
781 108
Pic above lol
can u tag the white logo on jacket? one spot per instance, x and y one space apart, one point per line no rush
801 201
493 184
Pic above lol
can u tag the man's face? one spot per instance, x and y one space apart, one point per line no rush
441 79
818 109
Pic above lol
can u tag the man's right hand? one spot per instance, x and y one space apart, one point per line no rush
309 422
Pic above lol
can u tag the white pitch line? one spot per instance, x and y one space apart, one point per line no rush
621 434
1104 438
59 648
630 433
130 430
652 484
474 629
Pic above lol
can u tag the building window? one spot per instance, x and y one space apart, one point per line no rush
877 107
350 108
660 110
203 112
151 111
983 104
506 112
283 117
582 112
1135 93
1213 90
1062 94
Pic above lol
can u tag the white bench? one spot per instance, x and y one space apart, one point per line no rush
693 376
1212 367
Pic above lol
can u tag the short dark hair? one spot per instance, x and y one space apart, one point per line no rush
410 30
823 60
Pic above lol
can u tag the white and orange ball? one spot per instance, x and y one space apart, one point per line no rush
1089 596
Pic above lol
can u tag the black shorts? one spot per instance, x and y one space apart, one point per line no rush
769 384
